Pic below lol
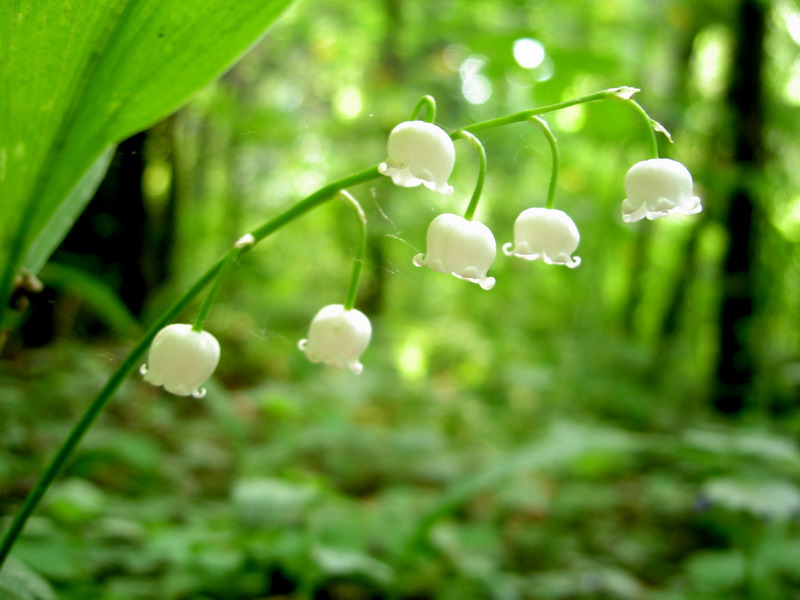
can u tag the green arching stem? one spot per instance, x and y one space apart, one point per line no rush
321 195
128 365
130 362
212 293
476 195
650 123
429 102
361 251
551 139
524 115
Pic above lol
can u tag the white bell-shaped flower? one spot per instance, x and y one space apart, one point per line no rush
656 188
462 248
420 153
181 360
545 234
337 337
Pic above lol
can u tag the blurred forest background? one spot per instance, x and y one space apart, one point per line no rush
623 430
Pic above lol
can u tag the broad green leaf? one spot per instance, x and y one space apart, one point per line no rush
61 220
78 77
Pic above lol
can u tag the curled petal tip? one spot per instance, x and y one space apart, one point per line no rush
573 261
631 217
419 260
487 283
356 368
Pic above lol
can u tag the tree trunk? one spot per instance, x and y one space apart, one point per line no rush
736 363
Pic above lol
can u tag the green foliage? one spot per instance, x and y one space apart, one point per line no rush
346 488
18 582
71 94
548 440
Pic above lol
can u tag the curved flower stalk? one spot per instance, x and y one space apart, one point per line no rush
465 249
338 337
656 188
420 153
546 234
130 362
339 333
181 359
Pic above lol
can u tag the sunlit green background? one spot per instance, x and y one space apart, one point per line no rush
564 435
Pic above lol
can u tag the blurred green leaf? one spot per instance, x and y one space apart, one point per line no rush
774 499
718 571
588 582
263 502
763 446
75 501
18 582
564 445
341 562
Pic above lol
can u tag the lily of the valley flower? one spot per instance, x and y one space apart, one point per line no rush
420 153
337 337
656 188
181 360
545 234
462 248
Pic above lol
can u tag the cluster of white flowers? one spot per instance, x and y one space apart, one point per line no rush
420 153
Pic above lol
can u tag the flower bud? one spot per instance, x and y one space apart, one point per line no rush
420 153
462 248
181 360
545 234
656 188
337 337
